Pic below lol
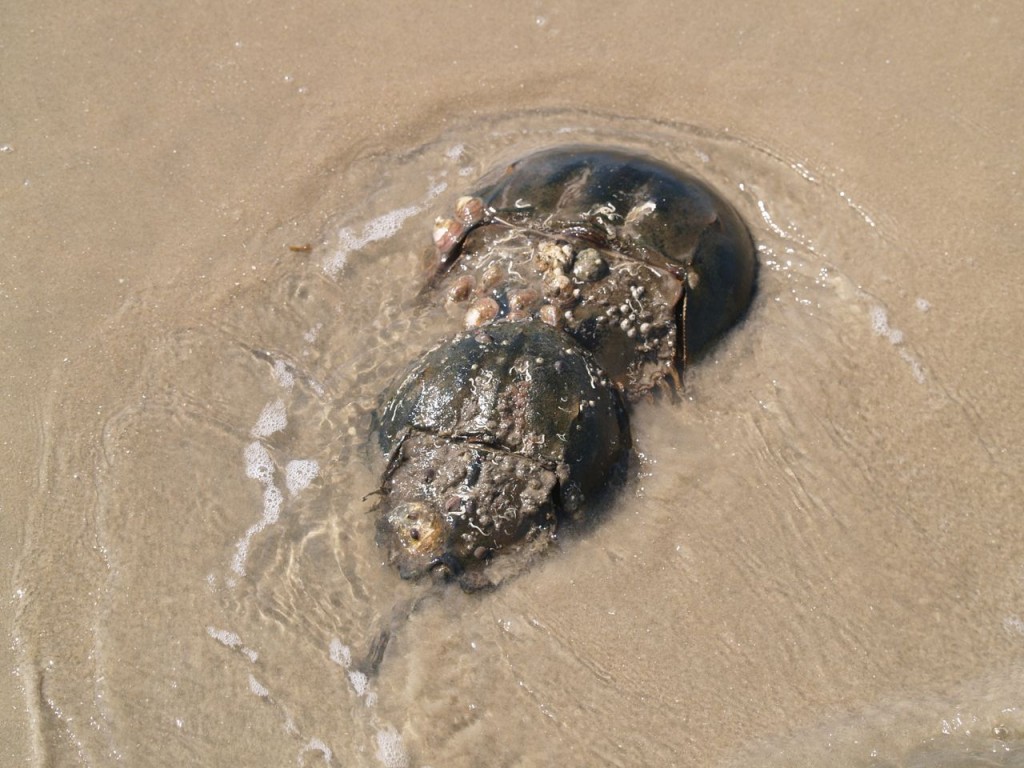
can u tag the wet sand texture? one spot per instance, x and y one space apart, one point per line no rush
818 556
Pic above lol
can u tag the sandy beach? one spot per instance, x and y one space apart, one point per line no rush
211 218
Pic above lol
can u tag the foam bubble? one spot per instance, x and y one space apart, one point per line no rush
880 325
1014 624
389 748
258 688
916 369
258 464
238 561
879 321
360 682
272 500
312 333
260 467
380 228
283 374
271 419
299 474
233 641
316 745
224 637
340 653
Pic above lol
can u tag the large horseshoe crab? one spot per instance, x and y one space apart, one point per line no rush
586 278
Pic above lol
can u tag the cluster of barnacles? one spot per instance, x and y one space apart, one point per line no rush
624 310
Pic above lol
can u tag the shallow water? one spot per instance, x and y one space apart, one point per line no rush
816 558
780 518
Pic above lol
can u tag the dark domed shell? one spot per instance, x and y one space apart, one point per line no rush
521 387
490 438
643 208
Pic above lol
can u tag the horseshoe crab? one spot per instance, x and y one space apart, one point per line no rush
492 439
643 264
586 278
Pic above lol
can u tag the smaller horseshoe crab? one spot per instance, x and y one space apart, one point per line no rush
492 439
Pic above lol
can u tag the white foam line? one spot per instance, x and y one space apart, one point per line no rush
258 464
272 418
316 745
260 467
858 208
390 751
340 653
230 640
880 325
380 228
272 499
359 681
770 222
258 688
299 473
282 375
224 637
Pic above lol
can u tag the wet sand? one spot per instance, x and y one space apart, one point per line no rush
856 579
